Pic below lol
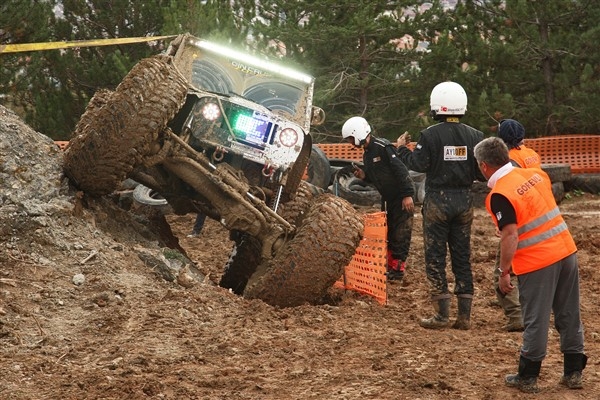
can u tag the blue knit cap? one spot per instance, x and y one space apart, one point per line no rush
512 132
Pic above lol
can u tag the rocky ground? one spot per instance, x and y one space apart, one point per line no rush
92 306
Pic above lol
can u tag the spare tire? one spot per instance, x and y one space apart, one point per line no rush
306 266
354 190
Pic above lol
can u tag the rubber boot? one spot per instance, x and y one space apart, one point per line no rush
440 320
573 364
463 318
526 379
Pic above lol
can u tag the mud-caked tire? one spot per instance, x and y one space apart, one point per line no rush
242 263
118 128
294 210
246 253
306 266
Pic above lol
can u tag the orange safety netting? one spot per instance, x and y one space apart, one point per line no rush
346 151
582 152
366 271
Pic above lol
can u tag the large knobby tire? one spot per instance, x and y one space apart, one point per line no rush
293 211
306 267
242 263
117 129
246 254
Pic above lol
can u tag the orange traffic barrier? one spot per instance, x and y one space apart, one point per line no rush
366 272
582 152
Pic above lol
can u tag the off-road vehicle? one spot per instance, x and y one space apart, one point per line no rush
225 133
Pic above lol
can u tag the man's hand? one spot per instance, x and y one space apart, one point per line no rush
408 204
403 139
359 173
505 284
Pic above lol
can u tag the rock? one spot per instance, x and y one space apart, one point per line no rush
78 279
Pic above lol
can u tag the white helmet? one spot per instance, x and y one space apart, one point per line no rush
448 98
357 128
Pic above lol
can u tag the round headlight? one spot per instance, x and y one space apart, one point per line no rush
211 111
288 137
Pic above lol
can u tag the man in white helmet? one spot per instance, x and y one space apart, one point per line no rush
391 178
444 153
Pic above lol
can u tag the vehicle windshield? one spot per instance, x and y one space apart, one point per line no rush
217 69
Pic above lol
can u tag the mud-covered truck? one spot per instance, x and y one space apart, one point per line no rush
225 133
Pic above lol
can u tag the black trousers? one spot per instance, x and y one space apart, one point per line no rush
400 225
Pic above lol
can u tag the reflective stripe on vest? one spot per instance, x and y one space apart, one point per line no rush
544 235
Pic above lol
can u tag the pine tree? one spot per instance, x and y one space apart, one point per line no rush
24 21
354 49
533 64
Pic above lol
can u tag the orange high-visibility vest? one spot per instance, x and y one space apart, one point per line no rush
544 237
525 157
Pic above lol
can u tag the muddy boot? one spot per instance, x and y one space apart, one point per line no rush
574 363
511 306
442 309
526 379
463 318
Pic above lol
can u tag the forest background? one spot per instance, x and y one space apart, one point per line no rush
535 61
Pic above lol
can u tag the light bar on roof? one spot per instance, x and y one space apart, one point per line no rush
257 62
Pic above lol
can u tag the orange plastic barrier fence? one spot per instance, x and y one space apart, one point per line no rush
366 272
342 151
346 151
582 152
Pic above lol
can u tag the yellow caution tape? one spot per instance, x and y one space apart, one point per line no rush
17 48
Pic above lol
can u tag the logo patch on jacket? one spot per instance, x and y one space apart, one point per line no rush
455 153
376 159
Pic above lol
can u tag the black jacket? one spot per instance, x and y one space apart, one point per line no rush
385 171
445 153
